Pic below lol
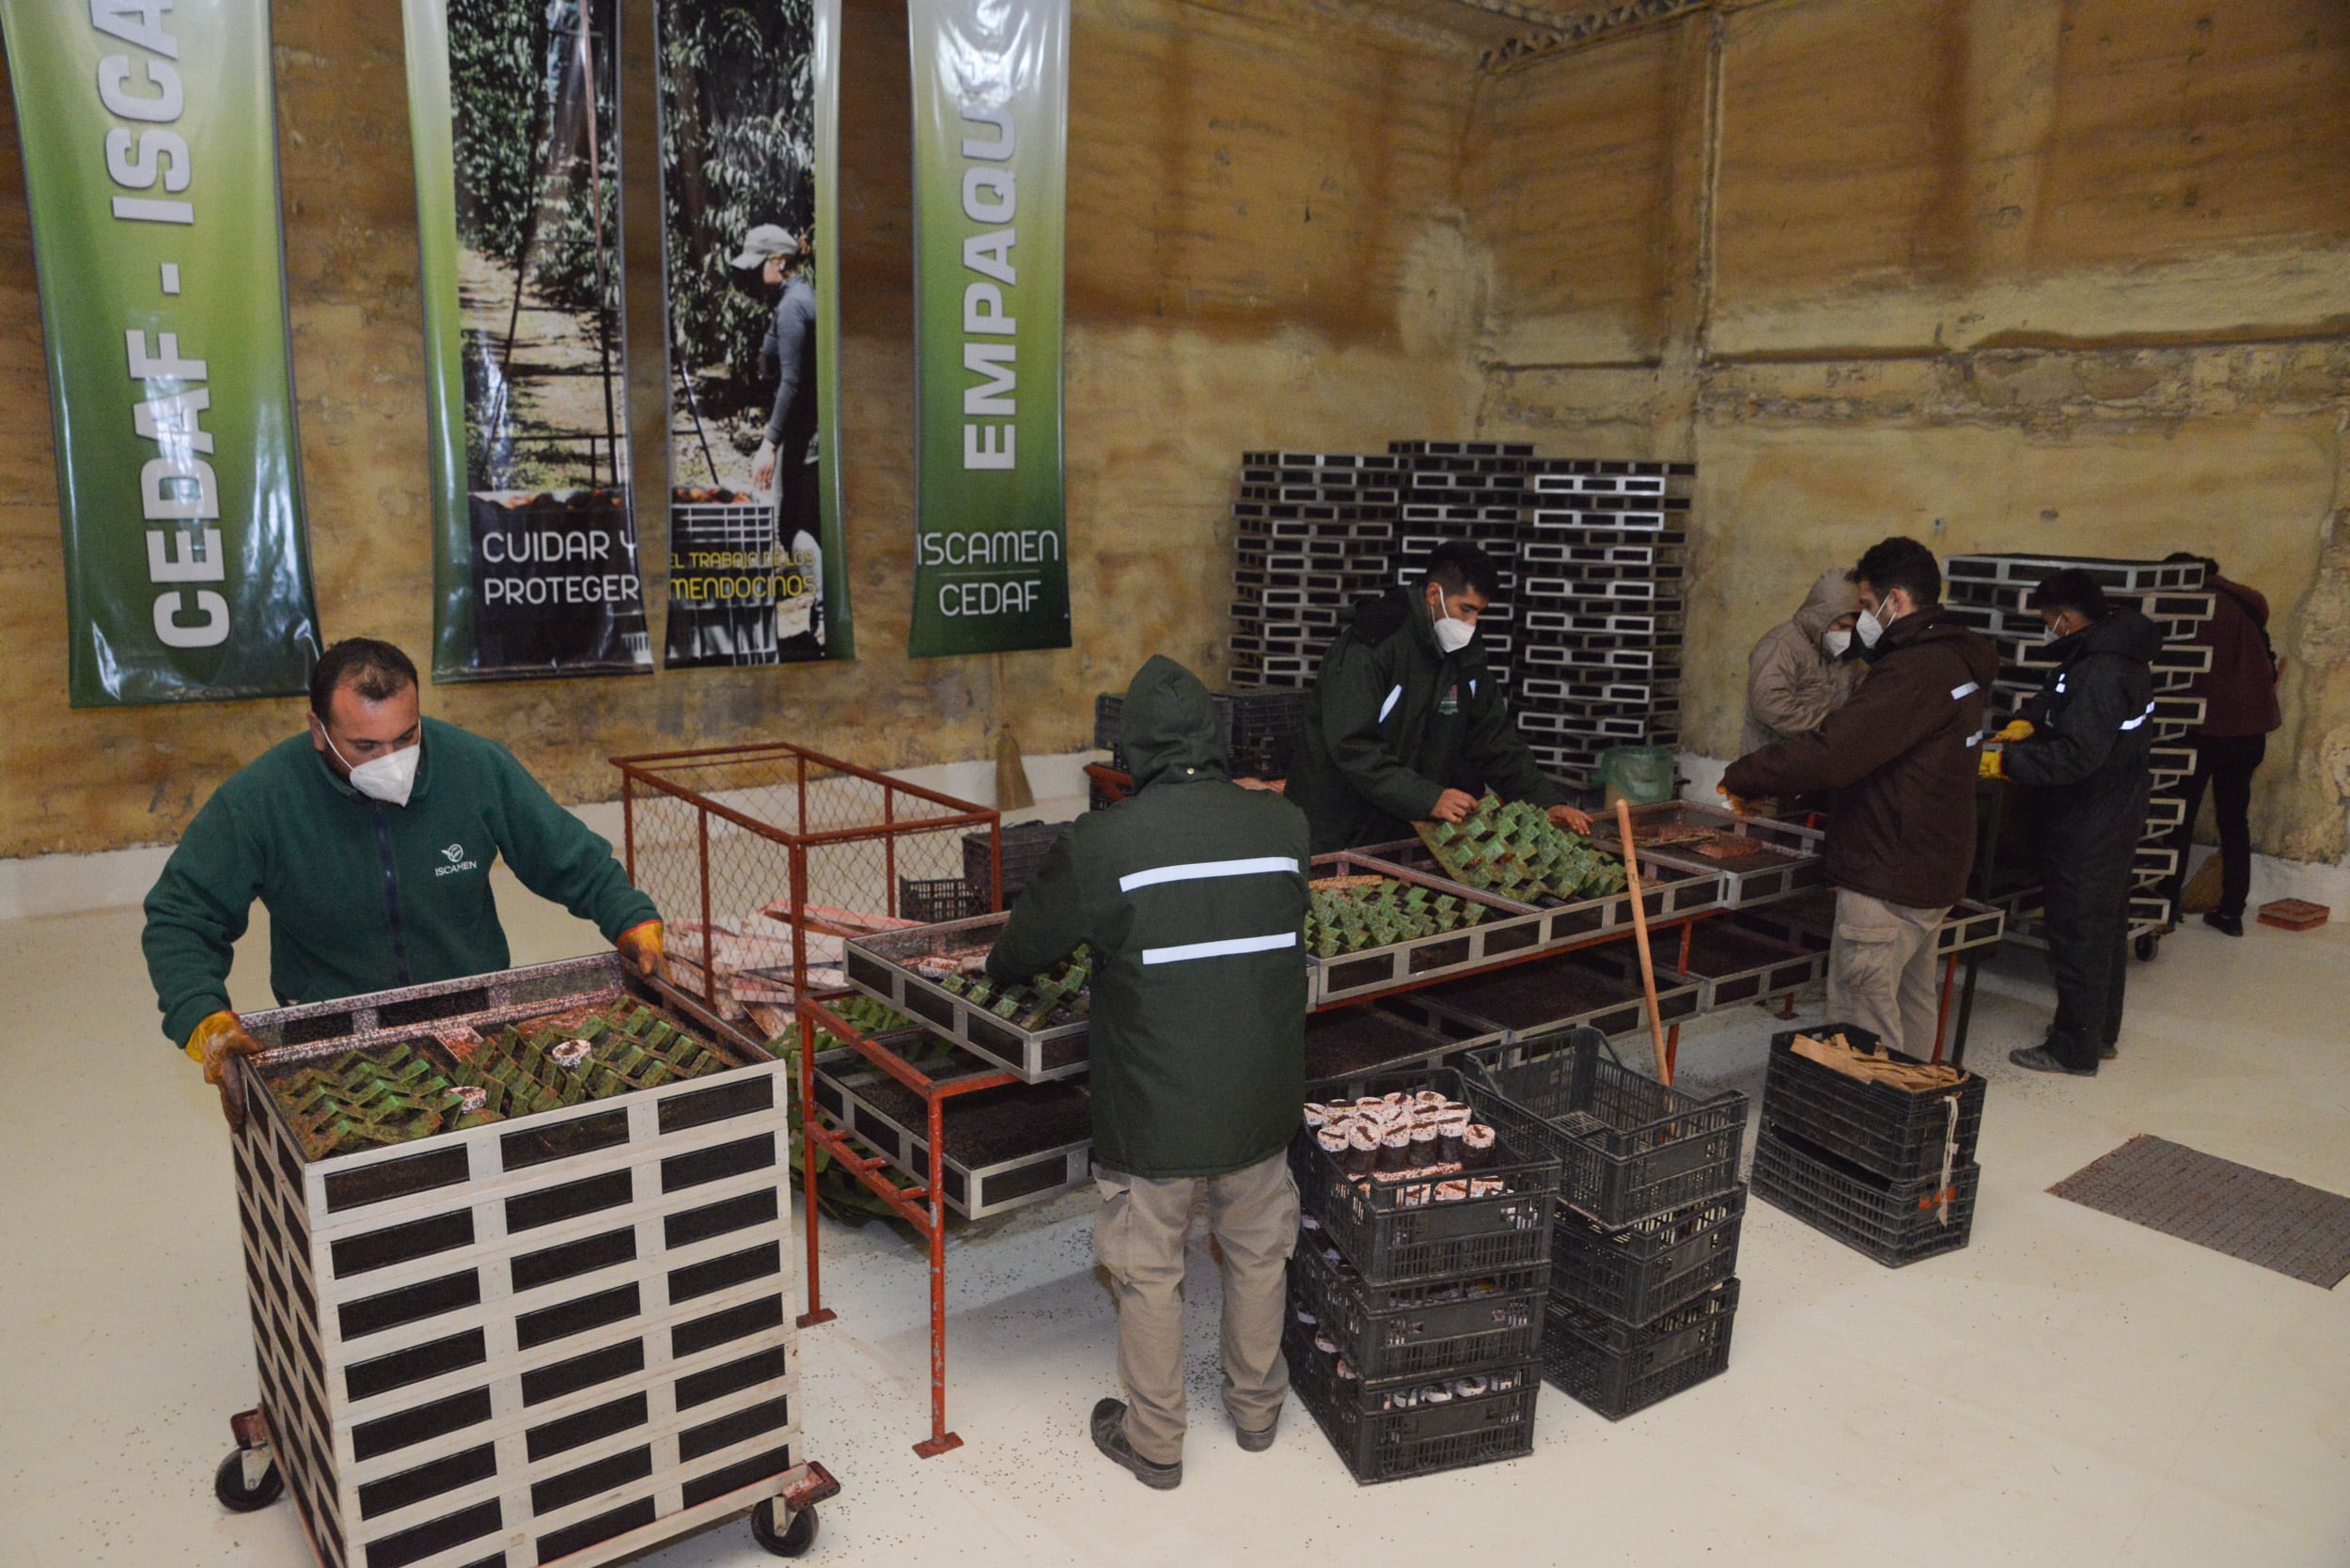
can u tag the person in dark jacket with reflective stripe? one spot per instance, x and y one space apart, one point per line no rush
2082 744
1900 756
1405 724
1192 896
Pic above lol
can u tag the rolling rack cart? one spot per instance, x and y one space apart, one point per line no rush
558 1337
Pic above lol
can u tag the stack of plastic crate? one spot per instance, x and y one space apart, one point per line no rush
1472 492
1890 1174
1600 620
1993 593
1315 531
1416 1310
1261 729
1644 1256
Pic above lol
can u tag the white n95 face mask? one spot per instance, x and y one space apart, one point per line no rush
388 777
1452 636
1870 628
1837 641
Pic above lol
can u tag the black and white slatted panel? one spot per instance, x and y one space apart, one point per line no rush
1469 491
562 1338
1993 593
1313 532
1601 551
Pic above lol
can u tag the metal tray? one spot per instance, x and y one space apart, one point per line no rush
1733 964
1598 986
1786 857
1006 1147
1809 920
1666 893
875 966
1509 929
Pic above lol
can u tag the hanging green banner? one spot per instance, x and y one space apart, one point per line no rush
991 111
749 108
513 113
151 161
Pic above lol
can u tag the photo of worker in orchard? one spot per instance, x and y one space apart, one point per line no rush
738 211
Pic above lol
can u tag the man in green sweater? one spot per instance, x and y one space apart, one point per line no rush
1405 722
1191 896
369 840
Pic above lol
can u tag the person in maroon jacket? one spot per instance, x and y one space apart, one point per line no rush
2239 695
1901 757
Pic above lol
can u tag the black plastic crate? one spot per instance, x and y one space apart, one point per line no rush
930 901
1419 1330
1026 846
1616 1368
1379 1442
1397 1233
1261 727
1894 1222
1629 1148
1637 1274
1896 1134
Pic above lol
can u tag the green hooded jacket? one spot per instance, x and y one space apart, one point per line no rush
1192 896
1394 721
363 896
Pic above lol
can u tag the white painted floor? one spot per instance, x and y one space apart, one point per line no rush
2071 1389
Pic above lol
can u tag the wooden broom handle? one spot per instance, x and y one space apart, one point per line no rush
1639 936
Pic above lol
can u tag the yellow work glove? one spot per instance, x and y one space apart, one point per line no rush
221 1044
1737 807
2019 730
641 946
1988 767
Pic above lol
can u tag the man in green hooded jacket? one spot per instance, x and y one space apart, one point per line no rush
1192 895
1406 723
369 840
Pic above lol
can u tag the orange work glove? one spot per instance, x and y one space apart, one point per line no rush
1737 807
641 946
1990 766
2017 729
222 1045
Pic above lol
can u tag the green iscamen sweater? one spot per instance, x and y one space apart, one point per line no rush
364 896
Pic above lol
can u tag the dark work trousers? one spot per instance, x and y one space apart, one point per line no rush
2089 920
2226 764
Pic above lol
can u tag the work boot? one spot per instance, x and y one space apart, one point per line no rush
2039 1058
2108 1051
1109 1436
1257 1442
2226 925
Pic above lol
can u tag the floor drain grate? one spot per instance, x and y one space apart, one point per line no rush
2271 1220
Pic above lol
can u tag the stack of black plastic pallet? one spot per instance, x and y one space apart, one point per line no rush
1314 531
1644 1253
1890 1174
1600 614
1472 492
1415 1321
1992 594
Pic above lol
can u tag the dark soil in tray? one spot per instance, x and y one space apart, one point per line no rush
992 1125
1529 994
1340 1045
1715 949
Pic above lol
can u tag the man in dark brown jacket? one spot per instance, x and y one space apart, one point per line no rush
1901 758
2239 693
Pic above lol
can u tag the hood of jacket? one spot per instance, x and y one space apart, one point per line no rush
2125 634
1170 723
1830 598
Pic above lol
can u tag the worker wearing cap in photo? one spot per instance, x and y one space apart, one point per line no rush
369 841
1405 724
2083 744
1192 896
786 464
1900 760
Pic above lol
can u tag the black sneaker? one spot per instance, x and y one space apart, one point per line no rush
1109 1436
1257 1442
2039 1058
2226 925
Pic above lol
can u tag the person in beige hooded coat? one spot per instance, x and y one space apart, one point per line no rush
1795 677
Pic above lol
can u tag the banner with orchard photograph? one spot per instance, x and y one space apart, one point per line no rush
514 109
747 100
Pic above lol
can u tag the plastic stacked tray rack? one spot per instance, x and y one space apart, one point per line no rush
561 1334
1644 1258
1416 1318
1890 1174
1314 531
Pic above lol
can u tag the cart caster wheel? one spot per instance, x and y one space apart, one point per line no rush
797 1537
2145 948
229 1487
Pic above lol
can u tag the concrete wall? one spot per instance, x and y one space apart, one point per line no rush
1266 244
1998 273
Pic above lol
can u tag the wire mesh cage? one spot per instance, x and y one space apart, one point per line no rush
763 857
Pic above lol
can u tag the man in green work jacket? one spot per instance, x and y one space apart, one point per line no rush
369 840
1405 722
1191 895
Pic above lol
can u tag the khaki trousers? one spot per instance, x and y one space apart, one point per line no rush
1139 1239
1881 971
